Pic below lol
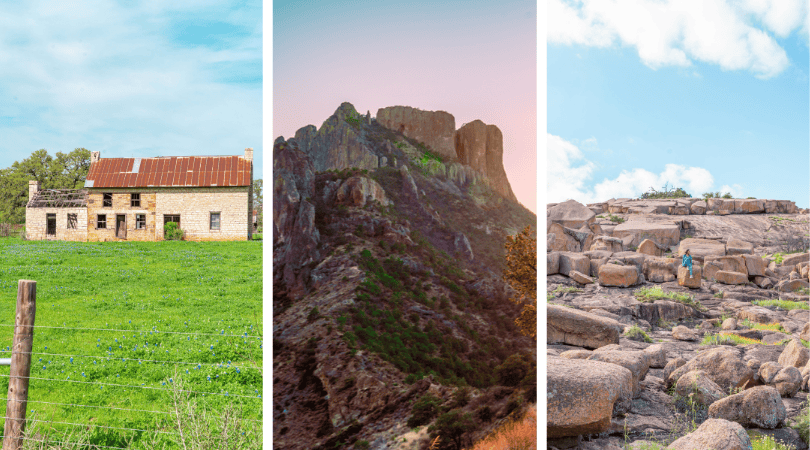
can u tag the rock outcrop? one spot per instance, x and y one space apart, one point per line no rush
480 146
436 129
337 144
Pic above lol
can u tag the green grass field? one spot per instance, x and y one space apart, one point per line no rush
208 295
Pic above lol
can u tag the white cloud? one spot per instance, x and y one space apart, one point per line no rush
677 32
130 80
735 189
570 174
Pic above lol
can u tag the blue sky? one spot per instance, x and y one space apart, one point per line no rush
709 96
131 78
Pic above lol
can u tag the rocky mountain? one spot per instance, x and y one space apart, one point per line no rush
665 358
390 313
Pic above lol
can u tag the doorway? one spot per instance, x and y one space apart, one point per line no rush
51 226
121 226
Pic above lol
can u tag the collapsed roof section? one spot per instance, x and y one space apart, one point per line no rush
59 198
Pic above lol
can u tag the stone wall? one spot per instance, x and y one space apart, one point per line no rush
36 224
121 205
194 205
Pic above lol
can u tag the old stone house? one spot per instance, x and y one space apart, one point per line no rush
209 197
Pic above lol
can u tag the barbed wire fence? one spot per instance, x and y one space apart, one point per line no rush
14 433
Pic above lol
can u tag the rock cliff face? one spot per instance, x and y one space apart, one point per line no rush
436 129
481 147
387 287
338 144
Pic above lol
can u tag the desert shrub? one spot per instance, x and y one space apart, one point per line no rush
171 232
460 398
424 410
665 192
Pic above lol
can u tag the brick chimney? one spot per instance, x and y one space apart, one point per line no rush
94 157
33 188
249 154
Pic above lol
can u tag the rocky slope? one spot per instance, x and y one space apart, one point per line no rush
389 309
669 360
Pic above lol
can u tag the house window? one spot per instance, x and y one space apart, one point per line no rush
101 221
140 221
72 221
135 200
107 203
51 220
171 218
215 221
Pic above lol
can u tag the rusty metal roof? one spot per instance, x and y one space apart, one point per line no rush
180 171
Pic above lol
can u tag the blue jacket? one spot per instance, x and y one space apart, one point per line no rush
687 261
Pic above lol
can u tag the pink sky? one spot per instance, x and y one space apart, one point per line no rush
475 61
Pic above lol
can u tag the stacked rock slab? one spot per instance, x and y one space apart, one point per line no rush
480 146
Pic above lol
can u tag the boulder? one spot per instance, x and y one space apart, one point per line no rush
666 234
615 275
480 146
649 247
580 277
356 191
660 270
724 365
767 371
696 382
606 243
730 263
763 282
759 406
794 259
794 354
739 247
710 270
436 129
571 214
752 206
581 395
658 356
757 314
552 263
685 280
714 434
559 240
574 261
729 324
788 381
637 362
576 354
733 278
698 208
791 285
580 328
701 248
755 265
673 365
682 333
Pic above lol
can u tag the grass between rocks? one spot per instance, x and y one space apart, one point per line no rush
652 294
764 442
518 434
783 304
762 326
145 290
637 334
728 339
802 425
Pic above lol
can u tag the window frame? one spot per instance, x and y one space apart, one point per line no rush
133 200
99 223
72 222
105 202
140 221
211 221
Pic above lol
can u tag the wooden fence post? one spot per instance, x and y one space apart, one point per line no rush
20 365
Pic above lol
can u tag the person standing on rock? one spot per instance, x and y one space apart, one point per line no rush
687 262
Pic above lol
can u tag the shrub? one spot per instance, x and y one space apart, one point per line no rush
784 304
172 233
424 410
802 424
637 334
666 192
513 370
452 426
